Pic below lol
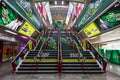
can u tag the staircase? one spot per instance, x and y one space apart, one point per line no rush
71 64
45 60
40 61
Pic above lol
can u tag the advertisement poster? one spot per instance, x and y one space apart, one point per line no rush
25 8
9 18
90 11
110 18
27 29
91 30
79 9
92 8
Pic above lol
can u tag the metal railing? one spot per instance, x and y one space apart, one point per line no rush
17 60
59 53
67 33
80 55
45 45
98 57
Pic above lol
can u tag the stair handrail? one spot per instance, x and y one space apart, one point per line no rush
40 51
38 40
59 53
20 56
102 61
67 33
80 54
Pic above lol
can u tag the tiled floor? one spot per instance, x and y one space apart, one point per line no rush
108 76
6 74
113 68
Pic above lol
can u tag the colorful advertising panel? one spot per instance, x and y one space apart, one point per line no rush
91 30
25 8
47 8
110 18
41 10
70 9
91 10
27 29
79 9
9 18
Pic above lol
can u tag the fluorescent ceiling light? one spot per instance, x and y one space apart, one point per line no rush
55 2
11 32
36 5
62 2
24 37
39 4
58 6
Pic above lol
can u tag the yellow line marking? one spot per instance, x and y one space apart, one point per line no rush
55 60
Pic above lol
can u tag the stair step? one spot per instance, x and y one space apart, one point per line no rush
81 68
82 72
76 54
87 57
38 72
35 51
33 55
38 68
49 57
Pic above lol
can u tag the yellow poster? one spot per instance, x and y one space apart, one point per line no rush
91 30
27 29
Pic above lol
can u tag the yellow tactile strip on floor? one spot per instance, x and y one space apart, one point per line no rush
55 60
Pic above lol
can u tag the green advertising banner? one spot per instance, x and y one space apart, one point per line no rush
25 8
9 18
92 11
110 18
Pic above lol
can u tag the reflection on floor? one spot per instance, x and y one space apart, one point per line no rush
5 68
112 70
107 76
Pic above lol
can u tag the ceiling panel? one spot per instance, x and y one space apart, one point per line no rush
110 36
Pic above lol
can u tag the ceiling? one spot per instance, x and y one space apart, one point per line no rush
108 37
59 10
59 13
81 1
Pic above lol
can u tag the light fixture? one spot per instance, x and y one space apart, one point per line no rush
55 2
62 2
11 32
39 4
24 37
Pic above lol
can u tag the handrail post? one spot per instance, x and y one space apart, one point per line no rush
96 55
14 67
22 55
104 66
